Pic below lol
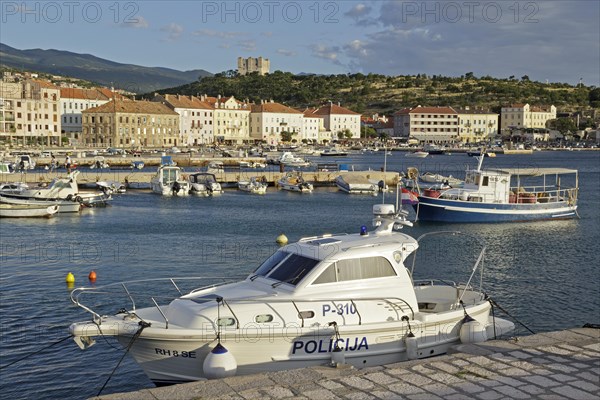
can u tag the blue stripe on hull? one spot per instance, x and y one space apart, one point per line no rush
437 210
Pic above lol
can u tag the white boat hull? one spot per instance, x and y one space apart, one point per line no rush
26 211
176 355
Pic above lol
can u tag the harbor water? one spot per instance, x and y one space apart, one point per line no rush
545 274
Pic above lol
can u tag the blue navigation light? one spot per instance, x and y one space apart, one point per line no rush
363 230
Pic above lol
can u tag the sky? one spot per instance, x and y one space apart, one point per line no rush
558 41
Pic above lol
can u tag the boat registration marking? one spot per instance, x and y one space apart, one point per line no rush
175 353
341 309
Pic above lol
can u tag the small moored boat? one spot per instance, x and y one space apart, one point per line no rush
294 182
254 186
504 195
332 299
27 210
355 184
169 181
204 184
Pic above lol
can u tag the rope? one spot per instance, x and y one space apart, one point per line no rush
36 352
493 302
133 339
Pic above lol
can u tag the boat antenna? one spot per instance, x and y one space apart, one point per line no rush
384 172
480 159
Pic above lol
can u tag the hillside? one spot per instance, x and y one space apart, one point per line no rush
133 78
381 94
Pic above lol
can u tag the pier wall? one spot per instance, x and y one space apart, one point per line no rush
554 365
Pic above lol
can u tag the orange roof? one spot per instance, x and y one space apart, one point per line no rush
132 107
44 84
112 94
178 101
83 94
333 109
310 113
273 108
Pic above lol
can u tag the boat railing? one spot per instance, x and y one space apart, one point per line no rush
399 305
542 194
125 289
517 194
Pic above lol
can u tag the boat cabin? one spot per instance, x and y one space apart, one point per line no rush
490 186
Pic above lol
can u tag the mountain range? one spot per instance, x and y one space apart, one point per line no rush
134 78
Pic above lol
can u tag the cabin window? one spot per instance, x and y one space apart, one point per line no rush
293 269
271 263
263 318
355 269
226 321
306 314
486 181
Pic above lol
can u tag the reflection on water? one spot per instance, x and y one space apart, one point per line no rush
544 273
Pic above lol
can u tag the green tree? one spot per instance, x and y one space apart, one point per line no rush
594 97
562 125
286 136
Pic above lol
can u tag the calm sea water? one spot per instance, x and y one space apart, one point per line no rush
545 273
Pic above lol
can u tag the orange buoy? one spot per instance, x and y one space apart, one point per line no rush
92 276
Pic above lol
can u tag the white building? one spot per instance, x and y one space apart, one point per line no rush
518 116
269 119
427 124
338 119
313 126
476 125
231 119
73 101
30 112
195 118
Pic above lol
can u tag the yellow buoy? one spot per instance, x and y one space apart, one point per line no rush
70 278
282 239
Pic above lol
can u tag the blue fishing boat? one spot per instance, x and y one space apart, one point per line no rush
503 195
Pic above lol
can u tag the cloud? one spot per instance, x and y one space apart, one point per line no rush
173 31
247 45
286 53
329 53
217 34
358 11
544 40
137 22
360 14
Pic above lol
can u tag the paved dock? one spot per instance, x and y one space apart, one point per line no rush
142 178
554 365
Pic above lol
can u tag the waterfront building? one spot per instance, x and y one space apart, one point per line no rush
249 65
230 119
195 118
476 125
73 101
427 124
131 124
518 116
313 126
269 119
336 120
29 112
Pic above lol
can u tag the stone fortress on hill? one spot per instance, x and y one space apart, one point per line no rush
248 65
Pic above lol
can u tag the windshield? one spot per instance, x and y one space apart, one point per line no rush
286 267
270 263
